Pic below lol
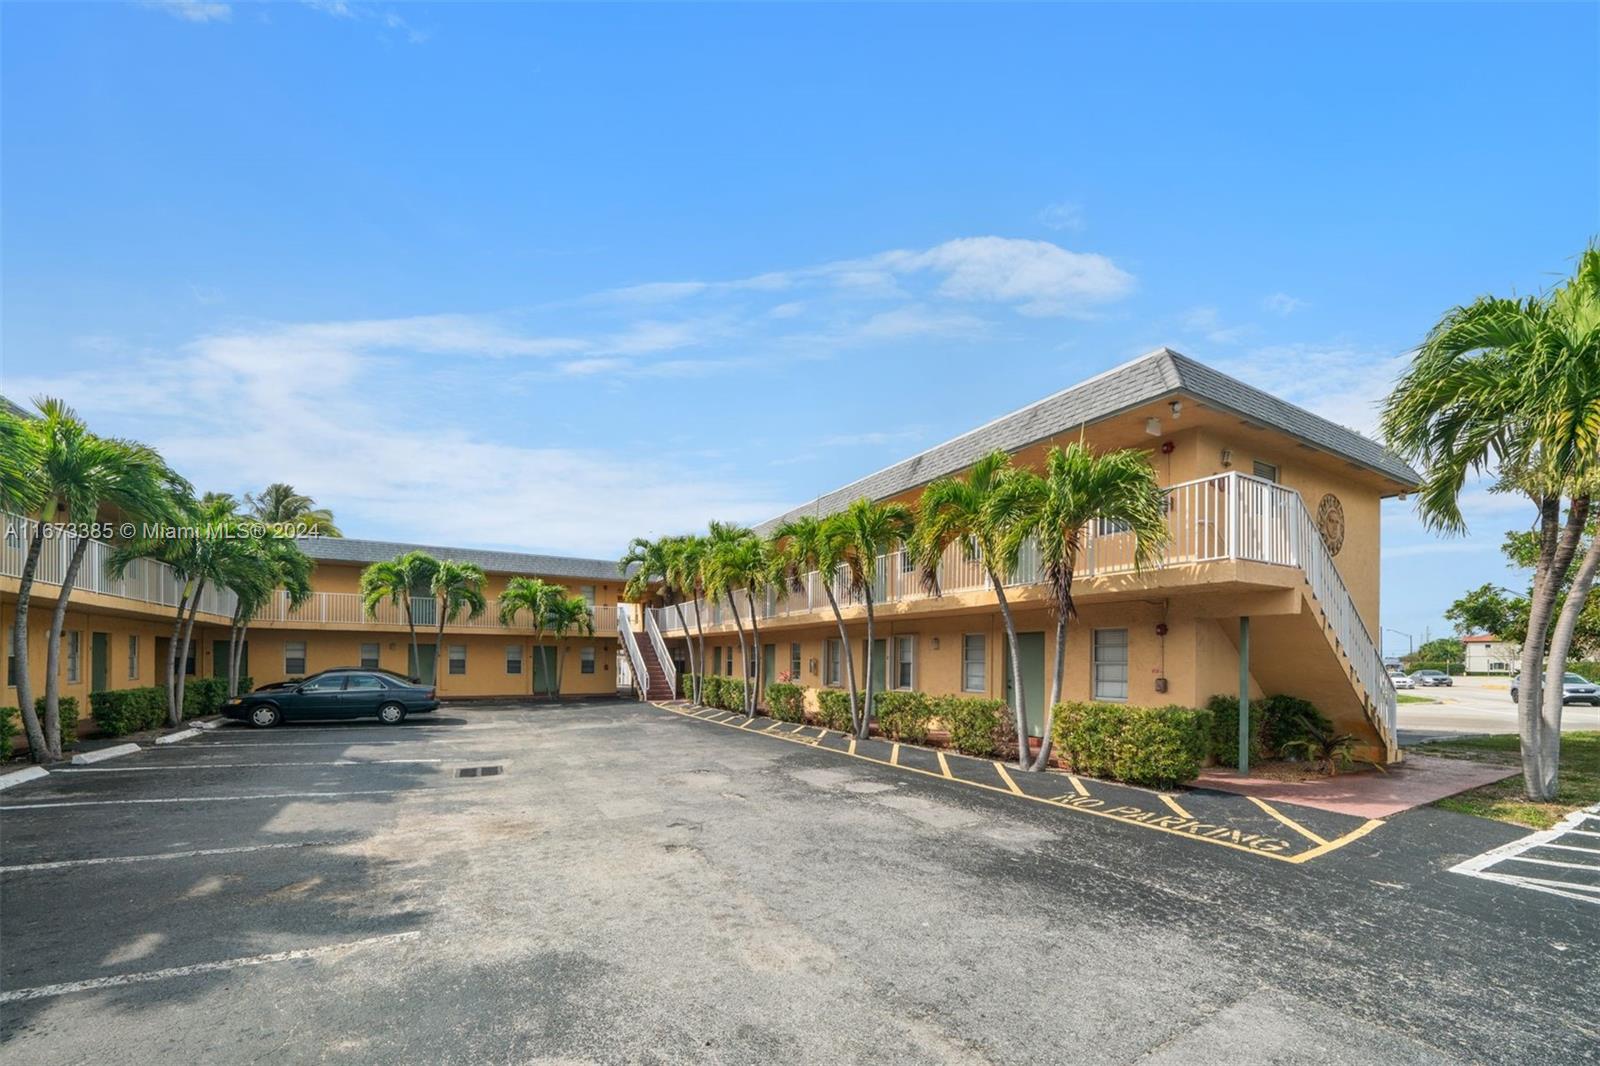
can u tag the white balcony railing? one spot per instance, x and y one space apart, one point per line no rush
345 609
145 580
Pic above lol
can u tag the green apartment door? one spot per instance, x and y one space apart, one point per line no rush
423 671
1030 649
219 659
99 661
880 652
769 663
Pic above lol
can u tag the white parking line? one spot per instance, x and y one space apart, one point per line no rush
234 765
1487 867
62 864
95 983
213 799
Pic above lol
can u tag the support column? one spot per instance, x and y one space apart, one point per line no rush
1244 695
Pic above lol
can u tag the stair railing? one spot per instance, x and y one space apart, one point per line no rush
668 668
641 676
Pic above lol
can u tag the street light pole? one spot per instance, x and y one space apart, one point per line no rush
1411 646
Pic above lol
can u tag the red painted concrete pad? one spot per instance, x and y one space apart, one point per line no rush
1368 794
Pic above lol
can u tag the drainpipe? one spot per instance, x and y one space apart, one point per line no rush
1244 695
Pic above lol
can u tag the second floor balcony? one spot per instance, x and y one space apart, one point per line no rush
344 610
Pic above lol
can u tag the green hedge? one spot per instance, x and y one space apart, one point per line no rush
67 711
128 710
1588 670
1225 730
785 702
903 715
206 695
1455 669
1154 746
977 726
8 730
833 706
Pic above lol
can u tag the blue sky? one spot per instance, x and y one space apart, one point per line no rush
548 277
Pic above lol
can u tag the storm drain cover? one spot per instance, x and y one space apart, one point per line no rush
480 771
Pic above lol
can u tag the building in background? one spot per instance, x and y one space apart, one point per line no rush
1488 654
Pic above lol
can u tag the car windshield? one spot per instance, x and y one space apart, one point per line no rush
1576 679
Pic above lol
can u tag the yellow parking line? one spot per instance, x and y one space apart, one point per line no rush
1338 842
894 755
1286 820
1170 802
852 749
944 767
1077 786
1001 770
771 727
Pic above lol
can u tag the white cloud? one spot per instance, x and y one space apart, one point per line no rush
1063 215
1206 322
193 10
873 438
1281 303
1342 383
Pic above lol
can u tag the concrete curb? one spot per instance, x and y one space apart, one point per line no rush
208 725
32 773
173 738
102 754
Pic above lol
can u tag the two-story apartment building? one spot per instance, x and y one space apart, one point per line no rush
1273 517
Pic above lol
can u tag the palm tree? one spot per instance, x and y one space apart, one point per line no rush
267 564
455 586
865 531
689 559
1078 489
808 544
975 512
279 505
397 581
536 597
730 562
565 616
682 558
19 457
661 560
1512 386
69 475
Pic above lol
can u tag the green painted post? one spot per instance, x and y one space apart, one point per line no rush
1244 695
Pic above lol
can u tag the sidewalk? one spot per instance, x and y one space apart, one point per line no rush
1419 780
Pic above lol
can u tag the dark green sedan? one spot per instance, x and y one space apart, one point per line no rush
343 693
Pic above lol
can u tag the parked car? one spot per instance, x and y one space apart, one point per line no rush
1432 679
341 693
1575 688
1402 681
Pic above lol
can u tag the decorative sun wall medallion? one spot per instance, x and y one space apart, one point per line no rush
1330 522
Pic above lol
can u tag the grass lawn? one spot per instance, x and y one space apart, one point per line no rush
1406 697
1504 801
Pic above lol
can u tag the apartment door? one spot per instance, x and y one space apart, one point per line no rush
880 655
1030 649
423 671
219 659
99 661
769 663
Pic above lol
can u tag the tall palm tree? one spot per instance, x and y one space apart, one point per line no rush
267 564
72 474
1054 510
536 598
682 578
456 587
19 457
662 561
689 560
396 581
865 531
975 512
564 616
278 504
1512 386
729 563
808 544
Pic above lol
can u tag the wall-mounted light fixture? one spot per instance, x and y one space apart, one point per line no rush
1227 457
1176 407
935 643
813 664
1167 448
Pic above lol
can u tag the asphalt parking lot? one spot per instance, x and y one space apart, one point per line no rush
628 884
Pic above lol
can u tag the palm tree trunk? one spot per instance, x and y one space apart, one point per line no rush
52 653
1560 646
560 666
1555 556
1016 669
849 659
438 646
755 639
19 646
1045 742
172 652
236 660
865 728
416 651
233 650
699 681
744 656
694 670
176 718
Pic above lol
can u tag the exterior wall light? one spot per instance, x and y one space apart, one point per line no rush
1176 407
1227 457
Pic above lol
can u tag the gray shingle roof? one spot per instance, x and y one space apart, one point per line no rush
1161 373
15 408
351 550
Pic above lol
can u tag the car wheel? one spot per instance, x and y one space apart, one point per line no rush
392 713
265 716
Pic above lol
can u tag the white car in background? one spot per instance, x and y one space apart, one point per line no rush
1402 681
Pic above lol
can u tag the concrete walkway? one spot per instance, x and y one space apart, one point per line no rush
1419 780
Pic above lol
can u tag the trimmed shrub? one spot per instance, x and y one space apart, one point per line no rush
1453 668
119 712
903 715
1287 719
1225 730
8 730
1153 746
711 690
977 726
833 707
785 702
67 711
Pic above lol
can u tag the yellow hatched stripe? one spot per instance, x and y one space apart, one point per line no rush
1176 807
1012 785
852 749
1286 820
894 755
1077 786
944 767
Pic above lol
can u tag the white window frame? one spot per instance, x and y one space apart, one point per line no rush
833 663
456 653
1105 688
902 644
795 660
133 656
586 659
587 592
981 662
74 656
377 655
289 656
514 659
